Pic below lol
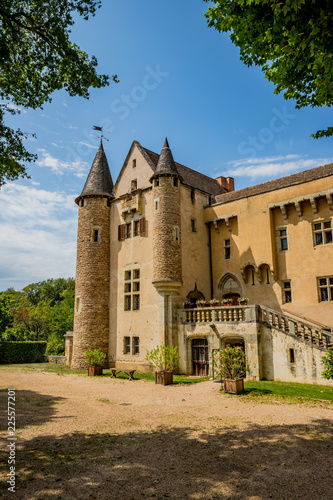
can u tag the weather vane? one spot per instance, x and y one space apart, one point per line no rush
100 129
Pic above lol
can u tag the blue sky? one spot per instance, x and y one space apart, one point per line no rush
178 78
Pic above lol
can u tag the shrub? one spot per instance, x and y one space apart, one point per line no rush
328 363
22 352
230 362
95 357
163 358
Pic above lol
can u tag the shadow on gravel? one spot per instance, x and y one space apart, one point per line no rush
31 408
259 462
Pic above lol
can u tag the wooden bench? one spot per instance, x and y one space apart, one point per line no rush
129 373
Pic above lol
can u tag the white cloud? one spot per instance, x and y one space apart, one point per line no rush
272 167
78 167
38 229
86 144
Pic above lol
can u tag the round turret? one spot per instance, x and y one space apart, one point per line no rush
167 264
91 313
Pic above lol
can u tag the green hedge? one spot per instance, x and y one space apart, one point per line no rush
22 352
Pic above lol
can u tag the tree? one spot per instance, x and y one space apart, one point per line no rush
37 58
291 40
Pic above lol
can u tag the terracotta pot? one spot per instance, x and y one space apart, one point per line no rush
234 386
164 378
94 370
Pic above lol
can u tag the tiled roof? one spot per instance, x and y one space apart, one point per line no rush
191 177
283 182
99 180
166 164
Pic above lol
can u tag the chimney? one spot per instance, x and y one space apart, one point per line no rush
226 183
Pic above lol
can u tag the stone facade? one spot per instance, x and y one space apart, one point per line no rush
167 234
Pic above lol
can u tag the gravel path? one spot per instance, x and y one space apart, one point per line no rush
102 438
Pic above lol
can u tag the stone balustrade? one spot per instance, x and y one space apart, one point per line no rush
304 331
230 314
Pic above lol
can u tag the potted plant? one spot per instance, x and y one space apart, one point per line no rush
214 302
95 360
227 302
243 301
187 304
164 360
202 303
230 364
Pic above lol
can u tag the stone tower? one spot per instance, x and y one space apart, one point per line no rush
91 313
167 254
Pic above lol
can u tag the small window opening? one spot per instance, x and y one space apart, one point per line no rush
134 185
156 182
95 235
193 195
176 234
175 181
194 225
77 304
134 163
287 292
108 202
156 205
292 355
227 249
81 203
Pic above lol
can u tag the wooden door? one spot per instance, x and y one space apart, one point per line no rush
200 357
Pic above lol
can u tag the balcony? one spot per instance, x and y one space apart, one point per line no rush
227 314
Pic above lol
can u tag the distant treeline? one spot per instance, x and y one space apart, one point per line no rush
42 311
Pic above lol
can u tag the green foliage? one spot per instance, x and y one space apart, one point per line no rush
37 58
230 362
95 357
55 346
6 317
328 363
22 352
163 358
291 40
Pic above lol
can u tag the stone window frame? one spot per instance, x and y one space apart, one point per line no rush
127 345
322 232
194 226
95 235
176 234
282 239
132 289
286 292
291 355
77 304
227 248
325 288
156 205
135 345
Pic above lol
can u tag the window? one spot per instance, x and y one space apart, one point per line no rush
134 185
325 289
194 225
156 182
175 182
108 202
322 233
156 205
127 345
227 253
283 239
136 345
128 230
77 306
134 163
286 292
132 290
95 235
291 353
176 234
136 228
81 203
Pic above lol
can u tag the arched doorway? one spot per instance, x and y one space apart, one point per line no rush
230 288
200 357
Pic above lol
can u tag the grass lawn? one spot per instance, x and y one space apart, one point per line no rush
263 391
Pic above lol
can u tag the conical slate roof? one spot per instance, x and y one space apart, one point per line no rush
99 180
166 164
